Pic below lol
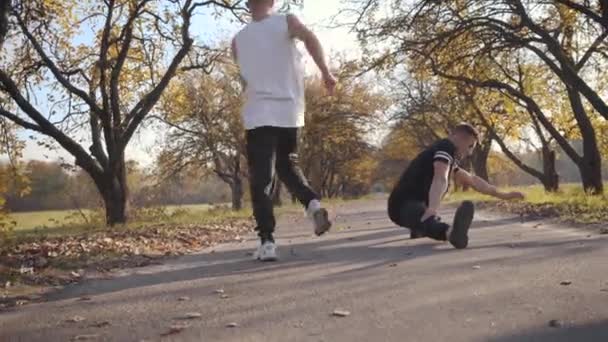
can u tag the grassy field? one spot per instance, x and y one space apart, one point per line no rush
570 203
52 220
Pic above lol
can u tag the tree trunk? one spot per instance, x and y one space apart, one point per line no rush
551 178
237 193
590 165
479 159
115 201
4 9
548 177
112 185
591 176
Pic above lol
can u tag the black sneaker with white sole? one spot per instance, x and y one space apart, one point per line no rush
459 232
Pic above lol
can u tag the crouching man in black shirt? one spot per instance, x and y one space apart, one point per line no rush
415 200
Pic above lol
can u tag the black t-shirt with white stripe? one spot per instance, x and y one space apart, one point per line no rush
416 181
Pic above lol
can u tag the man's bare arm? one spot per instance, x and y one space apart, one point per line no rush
235 59
480 185
438 187
299 31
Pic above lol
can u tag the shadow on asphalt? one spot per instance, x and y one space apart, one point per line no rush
361 252
588 333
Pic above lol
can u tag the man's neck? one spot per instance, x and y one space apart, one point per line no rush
453 141
259 16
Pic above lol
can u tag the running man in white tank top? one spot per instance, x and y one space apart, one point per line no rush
273 79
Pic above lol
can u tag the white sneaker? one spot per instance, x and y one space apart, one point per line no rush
266 252
319 217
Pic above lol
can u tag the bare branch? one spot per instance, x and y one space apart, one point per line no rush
19 121
54 69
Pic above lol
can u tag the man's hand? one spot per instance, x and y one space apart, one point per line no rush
330 82
514 195
428 214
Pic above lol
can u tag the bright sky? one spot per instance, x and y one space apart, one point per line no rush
316 13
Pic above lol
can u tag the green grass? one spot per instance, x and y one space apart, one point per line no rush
46 219
70 222
57 218
62 222
570 203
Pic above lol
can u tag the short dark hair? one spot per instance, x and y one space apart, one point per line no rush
466 128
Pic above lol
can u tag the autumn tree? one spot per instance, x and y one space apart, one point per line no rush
202 112
337 131
488 44
97 89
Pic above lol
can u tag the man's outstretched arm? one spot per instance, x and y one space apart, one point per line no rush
464 178
298 30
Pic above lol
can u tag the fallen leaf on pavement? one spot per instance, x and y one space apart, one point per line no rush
76 319
100 324
191 315
176 329
85 337
340 313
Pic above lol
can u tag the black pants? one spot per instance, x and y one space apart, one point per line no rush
270 149
408 213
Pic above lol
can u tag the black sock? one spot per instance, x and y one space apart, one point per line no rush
266 238
435 229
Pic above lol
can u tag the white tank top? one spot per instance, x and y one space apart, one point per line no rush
271 64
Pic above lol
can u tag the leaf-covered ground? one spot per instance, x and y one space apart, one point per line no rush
570 204
37 264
